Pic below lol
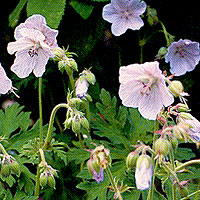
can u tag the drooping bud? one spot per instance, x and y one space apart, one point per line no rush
14 165
176 88
75 102
84 122
51 181
90 78
43 179
67 123
174 143
73 64
162 146
152 16
143 172
81 88
5 170
59 54
131 160
76 126
161 53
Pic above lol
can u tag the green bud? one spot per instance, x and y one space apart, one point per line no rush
131 160
75 101
162 146
174 143
88 97
161 52
51 181
84 123
90 78
5 170
14 165
92 164
176 88
144 158
76 126
67 123
43 179
59 54
62 65
73 64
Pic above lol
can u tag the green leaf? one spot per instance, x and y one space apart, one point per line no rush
15 15
83 9
52 10
183 154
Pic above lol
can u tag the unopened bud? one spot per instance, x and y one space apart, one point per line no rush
67 123
59 54
174 143
84 122
43 179
176 88
93 165
62 65
76 126
131 160
75 101
14 165
162 146
90 78
185 115
5 170
161 53
73 64
51 181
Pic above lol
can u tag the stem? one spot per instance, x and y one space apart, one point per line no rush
185 198
42 156
165 33
150 193
40 109
71 79
3 150
113 183
87 109
141 54
174 196
52 117
37 183
191 162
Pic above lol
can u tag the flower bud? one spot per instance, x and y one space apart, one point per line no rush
5 170
14 165
131 160
81 88
43 179
88 97
152 16
90 78
174 143
76 126
162 146
59 54
67 123
84 122
143 172
161 53
62 65
176 88
75 102
93 165
51 181
73 64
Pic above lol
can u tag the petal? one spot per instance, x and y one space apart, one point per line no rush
110 13
33 34
130 93
137 7
41 62
119 26
17 33
134 23
35 21
5 82
120 5
19 45
23 64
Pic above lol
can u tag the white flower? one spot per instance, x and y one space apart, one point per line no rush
5 82
143 87
143 172
33 47
124 14
183 56
81 88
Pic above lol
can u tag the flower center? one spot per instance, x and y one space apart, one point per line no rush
33 51
147 86
180 51
126 14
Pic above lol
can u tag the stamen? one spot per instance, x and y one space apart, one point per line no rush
147 87
32 53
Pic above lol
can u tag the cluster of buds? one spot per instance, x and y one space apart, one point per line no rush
65 60
82 83
8 165
152 16
47 174
99 160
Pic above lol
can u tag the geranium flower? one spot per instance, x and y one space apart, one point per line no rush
183 56
34 43
143 172
98 177
143 87
5 82
124 14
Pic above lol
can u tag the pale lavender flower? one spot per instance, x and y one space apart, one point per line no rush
143 87
143 172
124 14
183 56
5 82
98 177
81 88
33 47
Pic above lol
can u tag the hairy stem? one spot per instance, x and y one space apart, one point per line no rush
40 109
